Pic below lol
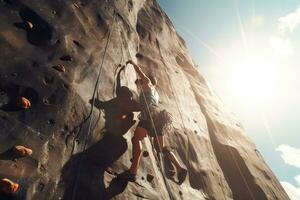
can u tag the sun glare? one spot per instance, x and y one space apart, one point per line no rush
252 80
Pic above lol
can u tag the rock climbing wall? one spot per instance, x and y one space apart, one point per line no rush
51 53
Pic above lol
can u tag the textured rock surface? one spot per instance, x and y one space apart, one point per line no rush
50 54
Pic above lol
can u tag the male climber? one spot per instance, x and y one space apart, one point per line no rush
147 125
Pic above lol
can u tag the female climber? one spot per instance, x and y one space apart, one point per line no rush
152 123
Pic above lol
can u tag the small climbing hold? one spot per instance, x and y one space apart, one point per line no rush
46 101
75 5
51 121
60 68
145 153
24 103
66 58
150 177
29 25
78 44
139 55
22 151
180 193
8 186
123 117
66 86
195 131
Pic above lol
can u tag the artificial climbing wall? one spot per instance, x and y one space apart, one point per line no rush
50 53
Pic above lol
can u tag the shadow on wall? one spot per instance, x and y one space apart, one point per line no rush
83 174
39 32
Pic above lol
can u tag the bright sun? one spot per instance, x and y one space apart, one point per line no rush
252 80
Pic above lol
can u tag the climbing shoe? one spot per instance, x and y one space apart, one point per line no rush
181 175
22 151
8 186
128 176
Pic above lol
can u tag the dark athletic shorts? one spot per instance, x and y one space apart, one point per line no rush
146 124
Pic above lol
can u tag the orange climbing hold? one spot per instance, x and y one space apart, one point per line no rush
22 151
25 103
60 68
29 25
8 186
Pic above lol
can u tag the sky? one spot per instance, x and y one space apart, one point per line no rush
248 52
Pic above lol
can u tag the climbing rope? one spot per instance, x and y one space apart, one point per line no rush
155 131
160 159
93 102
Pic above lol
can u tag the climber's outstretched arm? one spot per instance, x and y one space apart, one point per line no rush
139 71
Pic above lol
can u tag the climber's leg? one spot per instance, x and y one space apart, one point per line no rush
139 134
159 146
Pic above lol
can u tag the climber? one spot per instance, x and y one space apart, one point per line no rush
152 122
119 110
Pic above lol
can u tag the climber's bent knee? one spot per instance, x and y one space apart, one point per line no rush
139 134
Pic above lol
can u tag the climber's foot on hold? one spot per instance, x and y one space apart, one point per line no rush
181 175
128 176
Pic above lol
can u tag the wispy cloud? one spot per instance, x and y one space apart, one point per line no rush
280 41
290 155
289 22
291 190
297 178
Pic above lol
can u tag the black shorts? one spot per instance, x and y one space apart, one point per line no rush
146 124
